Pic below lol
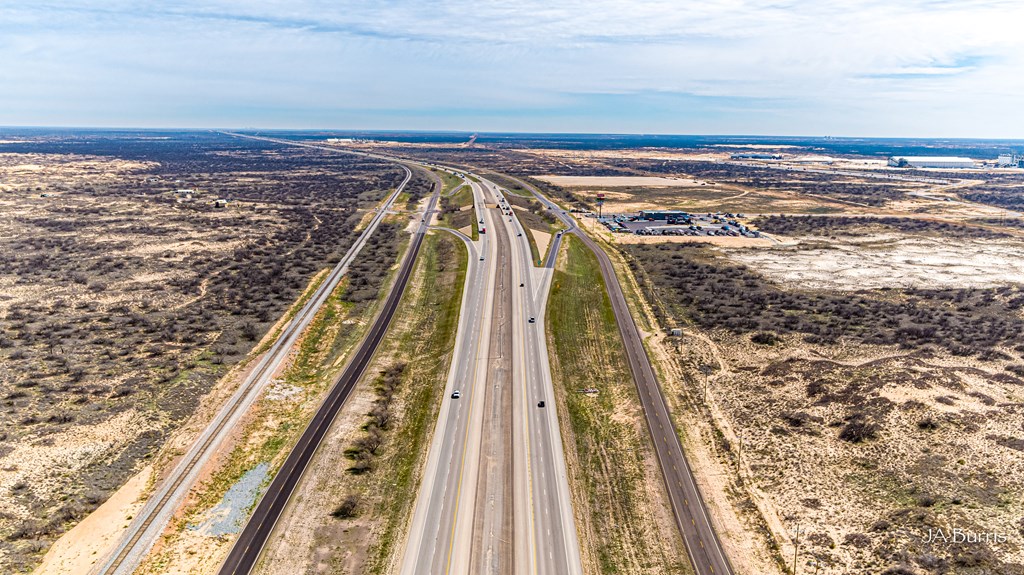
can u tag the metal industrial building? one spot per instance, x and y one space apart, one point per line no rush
1010 161
658 215
930 162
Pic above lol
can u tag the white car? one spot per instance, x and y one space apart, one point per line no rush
456 394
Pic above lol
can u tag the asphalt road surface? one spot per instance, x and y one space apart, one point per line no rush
439 539
543 505
150 522
247 548
495 497
702 543
441 536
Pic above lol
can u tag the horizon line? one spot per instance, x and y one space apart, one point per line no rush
499 132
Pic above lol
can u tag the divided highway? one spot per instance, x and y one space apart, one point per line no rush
692 518
440 538
541 484
150 522
465 520
495 496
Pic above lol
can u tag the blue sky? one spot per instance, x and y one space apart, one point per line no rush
942 68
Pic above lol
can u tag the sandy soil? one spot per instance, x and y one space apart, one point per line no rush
306 530
543 239
91 539
62 170
41 465
619 181
889 260
859 507
714 198
723 241
740 529
828 488
79 549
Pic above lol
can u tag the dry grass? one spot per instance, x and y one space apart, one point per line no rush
122 306
622 511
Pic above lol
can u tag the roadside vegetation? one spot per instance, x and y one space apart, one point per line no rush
359 493
279 417
622 511
450 181
457 212
713 293
128 295
864 418
863 226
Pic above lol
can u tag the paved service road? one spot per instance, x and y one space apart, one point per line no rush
688 506
457 479
149 523
254 535
495 496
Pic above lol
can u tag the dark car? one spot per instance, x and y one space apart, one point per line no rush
540 403
533 320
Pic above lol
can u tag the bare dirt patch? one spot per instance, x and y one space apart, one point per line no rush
860 448
891 260
82 546
619 181
126 293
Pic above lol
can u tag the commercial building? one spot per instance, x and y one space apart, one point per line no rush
813 160
658 215
930 162
755 156
1010 161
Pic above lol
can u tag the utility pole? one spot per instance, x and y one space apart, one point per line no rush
706 370
796 547
739 456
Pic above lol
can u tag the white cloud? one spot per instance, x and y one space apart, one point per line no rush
879 67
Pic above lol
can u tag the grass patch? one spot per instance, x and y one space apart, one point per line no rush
457 212
449 181
426 345
606 445
274 425
279 423
513 187
535 217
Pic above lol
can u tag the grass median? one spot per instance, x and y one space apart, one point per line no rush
623 518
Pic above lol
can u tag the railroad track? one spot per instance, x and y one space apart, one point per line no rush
249 545
150 522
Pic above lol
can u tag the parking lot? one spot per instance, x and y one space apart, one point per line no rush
665 223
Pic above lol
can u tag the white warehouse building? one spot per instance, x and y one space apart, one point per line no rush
931 162
1009 160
